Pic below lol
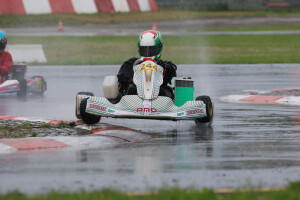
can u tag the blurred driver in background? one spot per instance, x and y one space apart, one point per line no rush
150 45
5 59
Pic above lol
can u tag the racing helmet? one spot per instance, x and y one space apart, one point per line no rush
150 44
3 40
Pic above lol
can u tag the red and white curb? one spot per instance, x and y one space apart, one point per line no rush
262 98
75 6
99 137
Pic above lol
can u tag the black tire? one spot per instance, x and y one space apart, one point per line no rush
77 114
23 88
87 118
209 111
42 87
86 93
116 100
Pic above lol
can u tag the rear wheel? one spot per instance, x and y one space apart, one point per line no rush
209 107
77 108
87 118
41 85
23 88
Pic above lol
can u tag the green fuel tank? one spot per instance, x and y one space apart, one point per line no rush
184 91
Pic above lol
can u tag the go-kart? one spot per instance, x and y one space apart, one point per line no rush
17 84
147 104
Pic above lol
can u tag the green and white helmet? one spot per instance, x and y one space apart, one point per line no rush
150 44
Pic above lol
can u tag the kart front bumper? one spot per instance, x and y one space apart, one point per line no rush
134 107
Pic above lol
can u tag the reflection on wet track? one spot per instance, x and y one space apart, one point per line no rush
256 145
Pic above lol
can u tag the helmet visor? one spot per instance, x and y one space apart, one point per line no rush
2 44
149 51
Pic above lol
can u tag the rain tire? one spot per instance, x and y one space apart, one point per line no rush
87 118
77 106
209 108
23 88
42 88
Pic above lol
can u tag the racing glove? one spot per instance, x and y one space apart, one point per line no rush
170 71
171 68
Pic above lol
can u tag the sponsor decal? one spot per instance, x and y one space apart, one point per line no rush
146 66
97 107
193 112
180 114
111 110
12 87
153 110
38 83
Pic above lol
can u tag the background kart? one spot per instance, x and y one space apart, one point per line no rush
17 84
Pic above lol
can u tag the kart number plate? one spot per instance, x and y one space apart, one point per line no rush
146 66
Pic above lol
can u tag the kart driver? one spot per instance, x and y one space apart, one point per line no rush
150 45
5 59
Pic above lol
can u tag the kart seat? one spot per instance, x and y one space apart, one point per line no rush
18 71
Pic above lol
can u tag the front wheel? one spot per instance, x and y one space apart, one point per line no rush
87 118
209 107
78 99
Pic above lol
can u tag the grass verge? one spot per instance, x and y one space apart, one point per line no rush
289 193
28 129
226 49
99 18
18 131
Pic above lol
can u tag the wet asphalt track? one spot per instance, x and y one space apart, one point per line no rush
257 145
